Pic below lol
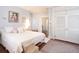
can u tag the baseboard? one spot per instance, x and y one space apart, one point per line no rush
65 41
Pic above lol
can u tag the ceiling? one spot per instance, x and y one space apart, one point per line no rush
36 9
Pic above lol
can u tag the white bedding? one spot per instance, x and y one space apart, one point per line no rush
14 41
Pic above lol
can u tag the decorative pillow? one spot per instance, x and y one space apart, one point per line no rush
14 30
20 29
8 29
11 29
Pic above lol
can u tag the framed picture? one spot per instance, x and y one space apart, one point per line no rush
13 16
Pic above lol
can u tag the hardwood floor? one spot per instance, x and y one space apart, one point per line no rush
58 46
53 46
3 50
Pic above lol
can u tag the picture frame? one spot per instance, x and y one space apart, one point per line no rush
13 17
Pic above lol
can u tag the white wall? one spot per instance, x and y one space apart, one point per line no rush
51 32
4 14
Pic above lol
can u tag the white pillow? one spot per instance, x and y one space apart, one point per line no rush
11 29
20 29
8 29
14 30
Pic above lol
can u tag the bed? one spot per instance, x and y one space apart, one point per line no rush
14 42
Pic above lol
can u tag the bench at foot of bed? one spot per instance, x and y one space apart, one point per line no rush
31 49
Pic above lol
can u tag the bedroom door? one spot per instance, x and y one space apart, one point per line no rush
45 26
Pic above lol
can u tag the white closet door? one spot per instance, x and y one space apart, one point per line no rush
73 28
59 27
66 25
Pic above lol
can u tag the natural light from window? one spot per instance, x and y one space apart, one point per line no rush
27 23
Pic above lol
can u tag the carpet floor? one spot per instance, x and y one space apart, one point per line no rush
57 46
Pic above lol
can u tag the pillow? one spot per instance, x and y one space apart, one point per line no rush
20 29
11 29
8 29
14 30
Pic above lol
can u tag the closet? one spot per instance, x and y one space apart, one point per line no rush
65 23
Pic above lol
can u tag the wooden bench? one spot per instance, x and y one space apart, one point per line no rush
31 49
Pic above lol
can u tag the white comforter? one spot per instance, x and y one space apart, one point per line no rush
14 41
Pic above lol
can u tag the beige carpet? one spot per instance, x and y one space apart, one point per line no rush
57 46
